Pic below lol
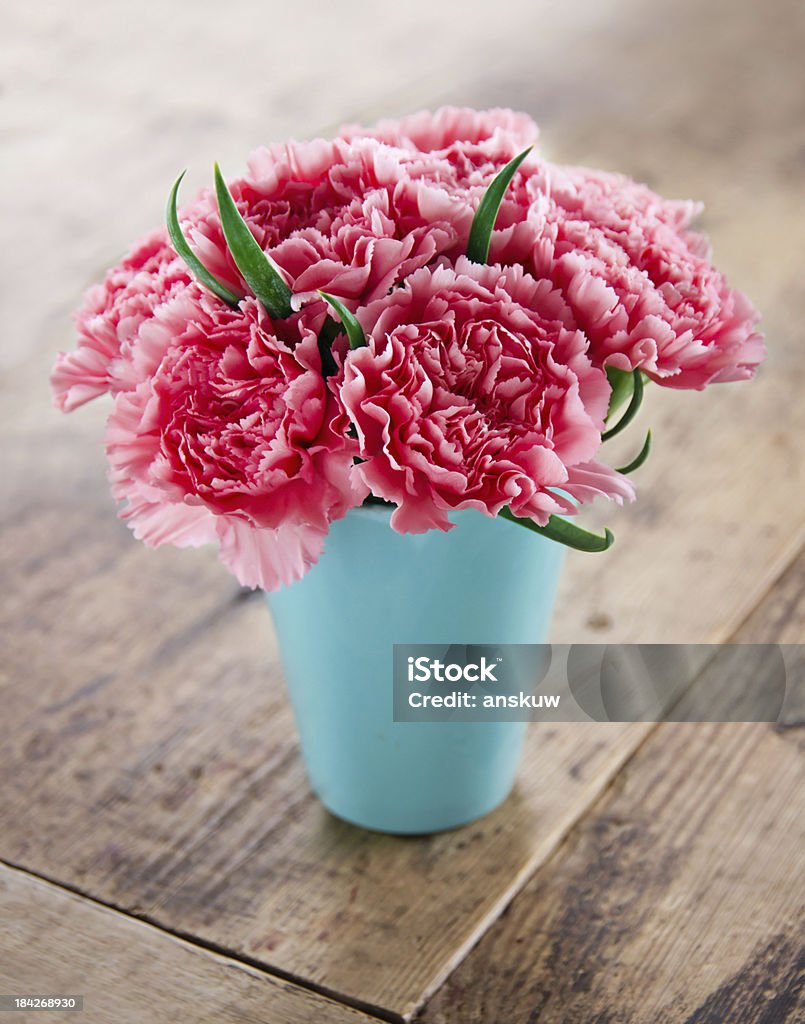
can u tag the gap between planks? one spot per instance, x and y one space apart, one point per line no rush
492 914
787 594
598 800
203 945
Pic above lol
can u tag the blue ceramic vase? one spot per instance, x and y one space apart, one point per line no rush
487 581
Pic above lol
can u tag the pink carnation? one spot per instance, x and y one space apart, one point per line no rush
234 436
473 393
349 216
639 281
333 216
111 316
499 133
446 160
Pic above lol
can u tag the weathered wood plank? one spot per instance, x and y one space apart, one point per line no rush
148 756
172 788
680 898
56 943
677 901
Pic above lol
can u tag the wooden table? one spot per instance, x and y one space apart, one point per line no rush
161 852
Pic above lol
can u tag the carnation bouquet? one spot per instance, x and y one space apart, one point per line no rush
425 314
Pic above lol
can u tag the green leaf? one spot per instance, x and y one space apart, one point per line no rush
639 459
485 216
357 339
631 409
257 269
564 532
182 247
622 384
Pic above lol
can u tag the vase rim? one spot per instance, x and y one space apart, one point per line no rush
383 513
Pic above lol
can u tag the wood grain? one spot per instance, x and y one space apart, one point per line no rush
681 898
56 943
148 756
172 788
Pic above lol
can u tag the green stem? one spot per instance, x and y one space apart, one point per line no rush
485 216
564 532
639 459
355 335
182 247
631 410
258 271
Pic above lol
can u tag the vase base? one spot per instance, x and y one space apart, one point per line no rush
419 823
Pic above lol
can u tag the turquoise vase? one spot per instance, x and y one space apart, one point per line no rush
487 581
